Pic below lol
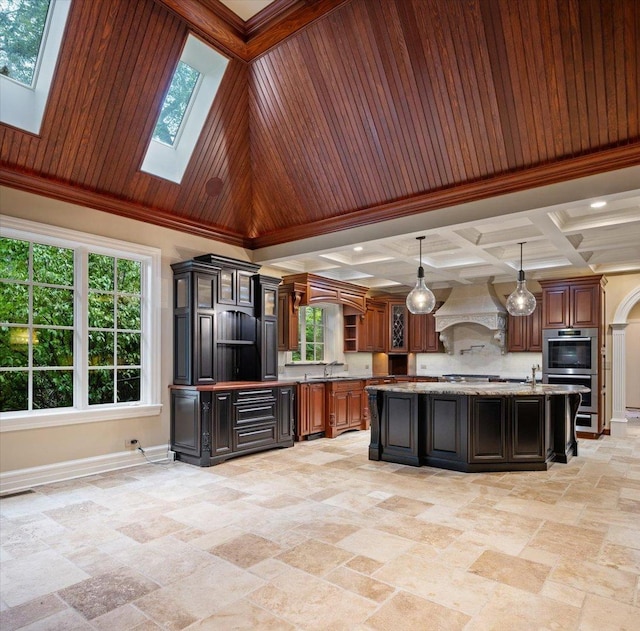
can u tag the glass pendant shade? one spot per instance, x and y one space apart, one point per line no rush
521 302
421 298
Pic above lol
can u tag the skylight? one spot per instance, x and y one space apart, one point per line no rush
185 108
175 103
30 39
21 34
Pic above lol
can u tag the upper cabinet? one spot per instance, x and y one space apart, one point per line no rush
524 333
397 326
225 322
365 332
423 337
300 290
576 302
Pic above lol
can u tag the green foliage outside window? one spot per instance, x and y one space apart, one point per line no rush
175 104
311 335
22 25
115 335
38 327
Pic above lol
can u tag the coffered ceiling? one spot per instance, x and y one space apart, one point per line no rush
563 240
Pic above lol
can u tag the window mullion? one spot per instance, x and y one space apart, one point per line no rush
81 323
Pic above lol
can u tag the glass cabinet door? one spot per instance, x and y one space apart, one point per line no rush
226 287
270 302
245 293
398 328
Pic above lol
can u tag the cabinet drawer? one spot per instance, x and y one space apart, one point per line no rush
254 436
345 386
251 396
256 412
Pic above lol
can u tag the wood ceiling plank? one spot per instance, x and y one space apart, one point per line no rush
378 107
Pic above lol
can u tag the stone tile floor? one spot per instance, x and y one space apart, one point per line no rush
318 537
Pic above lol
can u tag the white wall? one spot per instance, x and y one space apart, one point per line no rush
632 356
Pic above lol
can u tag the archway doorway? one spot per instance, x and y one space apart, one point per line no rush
618 423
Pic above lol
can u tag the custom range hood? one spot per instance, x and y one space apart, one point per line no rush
472 304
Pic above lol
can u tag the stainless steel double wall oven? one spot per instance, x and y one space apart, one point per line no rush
570 356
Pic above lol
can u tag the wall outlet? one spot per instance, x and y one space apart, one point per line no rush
131 443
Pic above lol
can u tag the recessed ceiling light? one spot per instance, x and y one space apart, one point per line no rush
598 204
358 248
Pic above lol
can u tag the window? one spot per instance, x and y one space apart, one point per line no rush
78 327
311 335
185 108
30 39
21 36
175 103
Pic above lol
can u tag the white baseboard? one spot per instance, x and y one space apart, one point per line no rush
23 479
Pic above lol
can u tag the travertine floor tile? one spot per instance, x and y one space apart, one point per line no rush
36 575
96 596
319 537
315 557
246 550
411 612
511 570
603 613
511 608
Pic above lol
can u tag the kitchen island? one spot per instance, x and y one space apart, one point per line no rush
474 427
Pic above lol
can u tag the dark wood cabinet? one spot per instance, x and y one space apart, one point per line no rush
209 426
221 413
524 333
226 332
375 327
527 440
423 337
287 321
286 414
346 405
266 311
365 332
397 327
225 322
488 430
311 409
508 430
446 435
572 303
473 433
399 438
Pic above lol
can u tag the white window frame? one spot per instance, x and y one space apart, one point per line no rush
170 161
150 394
23 106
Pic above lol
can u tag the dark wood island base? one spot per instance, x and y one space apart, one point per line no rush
474 428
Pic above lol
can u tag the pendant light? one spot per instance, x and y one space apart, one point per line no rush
521 302
420 298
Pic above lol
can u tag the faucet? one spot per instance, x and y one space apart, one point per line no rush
534 368
328 367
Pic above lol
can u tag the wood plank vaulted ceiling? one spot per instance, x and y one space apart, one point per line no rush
336 113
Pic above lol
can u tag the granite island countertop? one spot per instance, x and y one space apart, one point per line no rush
479 389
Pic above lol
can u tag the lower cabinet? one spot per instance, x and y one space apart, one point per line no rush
505 430
311 410
464 433
346 406
209 426
446 431
399 428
